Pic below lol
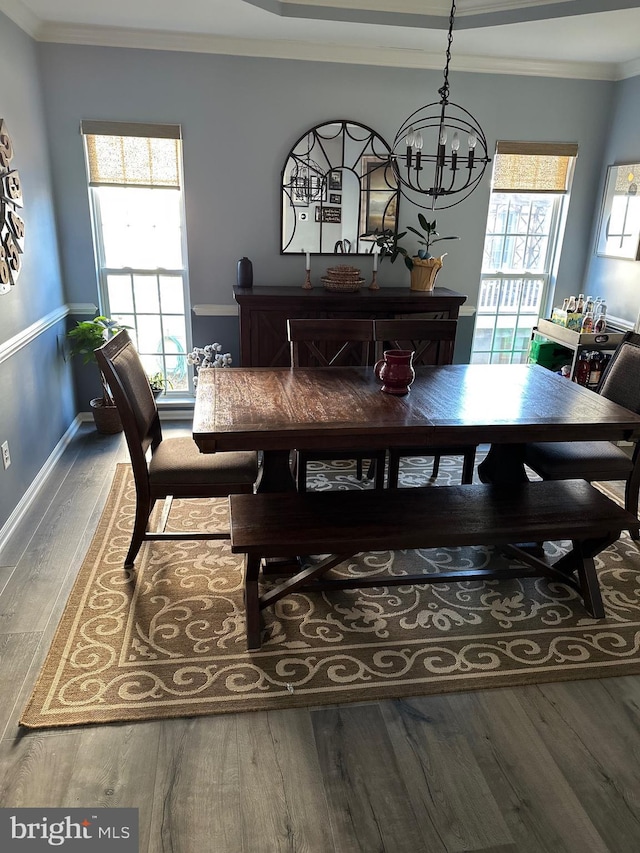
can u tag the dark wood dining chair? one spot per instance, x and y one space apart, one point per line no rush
600 460
176 468
334 343
433 342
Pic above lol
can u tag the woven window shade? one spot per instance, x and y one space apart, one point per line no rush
533 167
137 155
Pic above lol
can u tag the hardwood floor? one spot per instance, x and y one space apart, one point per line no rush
543 768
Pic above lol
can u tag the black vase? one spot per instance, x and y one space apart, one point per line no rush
245 273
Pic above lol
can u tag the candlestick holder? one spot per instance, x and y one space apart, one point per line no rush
374 281
307 281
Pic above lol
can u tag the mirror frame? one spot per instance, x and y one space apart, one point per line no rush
318 171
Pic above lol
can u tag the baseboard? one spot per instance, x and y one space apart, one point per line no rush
39 481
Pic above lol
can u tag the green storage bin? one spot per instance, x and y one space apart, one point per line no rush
549 354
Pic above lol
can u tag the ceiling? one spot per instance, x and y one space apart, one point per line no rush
592 39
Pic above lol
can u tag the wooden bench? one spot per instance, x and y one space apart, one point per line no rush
346 523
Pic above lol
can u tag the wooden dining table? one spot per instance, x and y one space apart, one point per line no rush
277 410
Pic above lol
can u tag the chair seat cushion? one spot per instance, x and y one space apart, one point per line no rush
588 460
178 461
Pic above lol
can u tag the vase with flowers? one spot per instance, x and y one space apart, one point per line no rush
203 358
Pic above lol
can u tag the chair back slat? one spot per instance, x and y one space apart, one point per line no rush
620 381
433 341
329 342
120 364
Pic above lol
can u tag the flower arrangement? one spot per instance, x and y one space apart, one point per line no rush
209 356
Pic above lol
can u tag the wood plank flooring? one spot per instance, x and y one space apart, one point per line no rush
543 768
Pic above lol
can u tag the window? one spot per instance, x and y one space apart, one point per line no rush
137 208
529 190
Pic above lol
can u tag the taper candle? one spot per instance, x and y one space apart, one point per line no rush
308 260
375 260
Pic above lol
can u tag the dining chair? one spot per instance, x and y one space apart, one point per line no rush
176 468
334 343
600 460
433 343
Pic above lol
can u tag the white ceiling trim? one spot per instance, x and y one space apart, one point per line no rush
628 69
21 16
317 52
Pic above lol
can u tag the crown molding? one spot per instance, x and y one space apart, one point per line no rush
628 69
318 52
23 17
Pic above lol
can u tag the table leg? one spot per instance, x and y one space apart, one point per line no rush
504 465
277 477
276 472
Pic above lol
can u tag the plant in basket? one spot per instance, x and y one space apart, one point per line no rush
423 265
85 337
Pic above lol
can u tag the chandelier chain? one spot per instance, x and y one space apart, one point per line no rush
443 91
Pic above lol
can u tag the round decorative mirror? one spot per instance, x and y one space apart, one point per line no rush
338 183
11 225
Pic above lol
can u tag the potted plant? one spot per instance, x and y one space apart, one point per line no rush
85 337
423 266
159 383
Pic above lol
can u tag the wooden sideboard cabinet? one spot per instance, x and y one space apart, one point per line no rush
264 312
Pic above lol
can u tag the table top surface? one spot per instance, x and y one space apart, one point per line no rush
334 408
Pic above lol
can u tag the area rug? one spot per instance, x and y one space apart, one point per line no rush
168 639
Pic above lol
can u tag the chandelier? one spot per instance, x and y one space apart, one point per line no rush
440 151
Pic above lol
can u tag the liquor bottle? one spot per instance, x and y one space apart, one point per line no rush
565 303
587 323
580 303
581 373
601 320
571 307
595 369
589 304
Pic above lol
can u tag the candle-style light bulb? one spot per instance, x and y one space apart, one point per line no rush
409 143
443 136
417 144
472 140
455 144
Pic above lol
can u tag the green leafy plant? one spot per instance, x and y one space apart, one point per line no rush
159 382
389 242
88 335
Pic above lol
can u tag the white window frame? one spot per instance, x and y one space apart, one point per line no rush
504 275
103 271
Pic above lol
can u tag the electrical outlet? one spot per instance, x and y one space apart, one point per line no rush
6 459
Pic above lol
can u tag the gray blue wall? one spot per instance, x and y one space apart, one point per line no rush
36 399
616 280
239 117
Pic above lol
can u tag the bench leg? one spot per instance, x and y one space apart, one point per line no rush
252 601
588 581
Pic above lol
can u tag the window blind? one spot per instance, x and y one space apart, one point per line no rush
534 167
127 154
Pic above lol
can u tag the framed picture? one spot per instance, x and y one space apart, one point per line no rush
619 227
335 179
328 214
335 198
379 196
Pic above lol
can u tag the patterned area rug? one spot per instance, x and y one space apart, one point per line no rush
168 639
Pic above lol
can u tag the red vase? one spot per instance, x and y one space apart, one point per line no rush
396 371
